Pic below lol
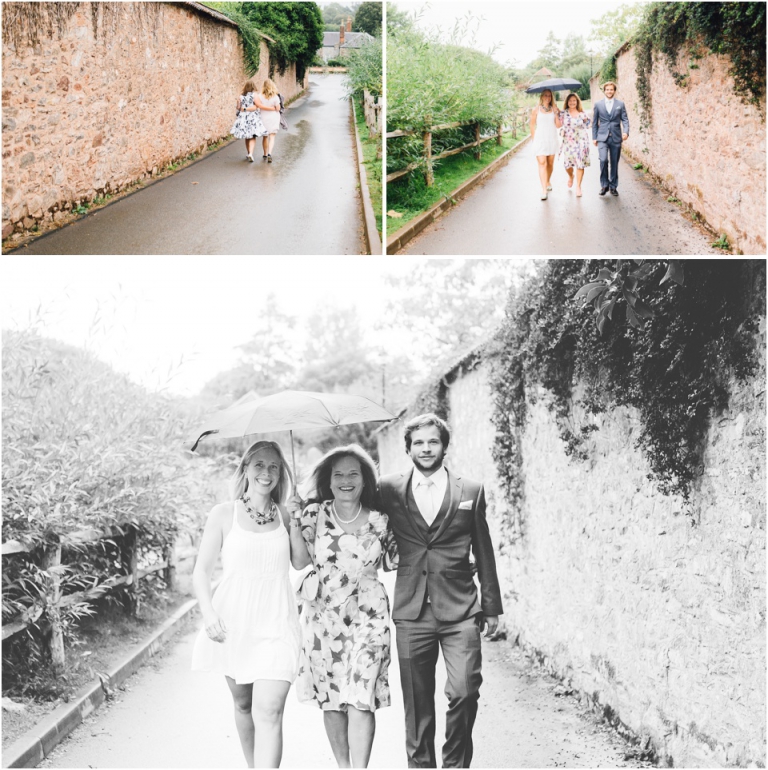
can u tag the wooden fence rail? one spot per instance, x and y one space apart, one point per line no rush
372 110
54 602
517 119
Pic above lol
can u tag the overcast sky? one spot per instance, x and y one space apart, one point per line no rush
521 28
154 316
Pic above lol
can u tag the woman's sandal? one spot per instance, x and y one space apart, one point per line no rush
570 181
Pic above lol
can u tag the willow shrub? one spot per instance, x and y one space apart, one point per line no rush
431 83
365 69
84 447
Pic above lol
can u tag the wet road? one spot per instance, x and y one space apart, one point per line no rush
505 215
170 717
305 202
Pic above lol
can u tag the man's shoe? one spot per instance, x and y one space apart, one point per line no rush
614 191
603 190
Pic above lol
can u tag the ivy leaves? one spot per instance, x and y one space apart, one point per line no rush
624 283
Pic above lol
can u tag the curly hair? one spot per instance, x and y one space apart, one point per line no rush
319 480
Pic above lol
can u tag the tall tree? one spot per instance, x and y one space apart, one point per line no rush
574 52
549 55
368 18
397 20
615 27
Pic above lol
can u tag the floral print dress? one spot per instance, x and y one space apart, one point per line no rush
248 124
346 639
575 134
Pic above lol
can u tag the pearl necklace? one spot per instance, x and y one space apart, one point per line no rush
260 517
345 521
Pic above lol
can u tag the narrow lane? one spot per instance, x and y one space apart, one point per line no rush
170 717
305 202
506 216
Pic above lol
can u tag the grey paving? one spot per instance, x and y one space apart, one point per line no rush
305 202
505 216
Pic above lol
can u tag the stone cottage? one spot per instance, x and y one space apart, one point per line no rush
336 45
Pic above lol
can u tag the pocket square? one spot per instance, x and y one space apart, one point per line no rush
465 505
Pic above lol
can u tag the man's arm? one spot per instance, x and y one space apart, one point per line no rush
624 121
595 122
482 548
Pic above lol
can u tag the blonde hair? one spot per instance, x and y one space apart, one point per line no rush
551 93
609 83
268 88
578 101
240 480
249 87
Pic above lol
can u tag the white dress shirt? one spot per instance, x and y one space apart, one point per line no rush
429 491
609 106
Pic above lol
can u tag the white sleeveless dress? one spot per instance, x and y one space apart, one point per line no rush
545 140
257 604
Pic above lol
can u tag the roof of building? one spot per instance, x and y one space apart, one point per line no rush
351 39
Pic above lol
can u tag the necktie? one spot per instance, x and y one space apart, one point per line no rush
426 499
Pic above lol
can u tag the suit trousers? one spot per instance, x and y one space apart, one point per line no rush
418 642
609 151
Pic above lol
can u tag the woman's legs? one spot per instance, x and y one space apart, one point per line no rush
362 728
579 177
543 178
241 695
267 711
250 145
337 730
550 167
271 143
265 145
569 171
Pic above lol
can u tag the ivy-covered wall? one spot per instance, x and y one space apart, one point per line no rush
650 605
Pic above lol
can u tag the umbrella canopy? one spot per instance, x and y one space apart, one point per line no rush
554 84
289 410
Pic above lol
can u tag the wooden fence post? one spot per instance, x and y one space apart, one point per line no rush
169 556
499 134
428 172
514 126
130 559
477 139
51 562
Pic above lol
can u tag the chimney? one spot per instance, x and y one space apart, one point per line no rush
341 34
349 23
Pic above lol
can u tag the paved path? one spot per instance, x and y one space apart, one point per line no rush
506 216
169 717
306 202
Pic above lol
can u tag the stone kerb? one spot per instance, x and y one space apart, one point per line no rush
706 145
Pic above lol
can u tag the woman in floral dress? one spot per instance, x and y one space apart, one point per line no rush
345 658
248 124
575 146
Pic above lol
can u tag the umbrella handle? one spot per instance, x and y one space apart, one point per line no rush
293 462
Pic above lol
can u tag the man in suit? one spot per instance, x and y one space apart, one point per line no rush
438 517
610 126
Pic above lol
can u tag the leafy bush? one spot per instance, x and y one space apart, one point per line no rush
85 448
296 30
431 83
676 371
365 69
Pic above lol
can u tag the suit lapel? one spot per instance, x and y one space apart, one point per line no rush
402 498
455 487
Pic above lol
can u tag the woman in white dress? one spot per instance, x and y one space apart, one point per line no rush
271 120
545 120
251 629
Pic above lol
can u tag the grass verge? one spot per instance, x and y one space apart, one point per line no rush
410 195
372 165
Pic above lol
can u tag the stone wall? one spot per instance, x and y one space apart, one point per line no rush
705 144
657 621
109 94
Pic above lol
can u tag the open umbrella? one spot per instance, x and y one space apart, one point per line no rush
554 84
289 410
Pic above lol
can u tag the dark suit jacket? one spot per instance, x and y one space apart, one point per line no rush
605 126
437 559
